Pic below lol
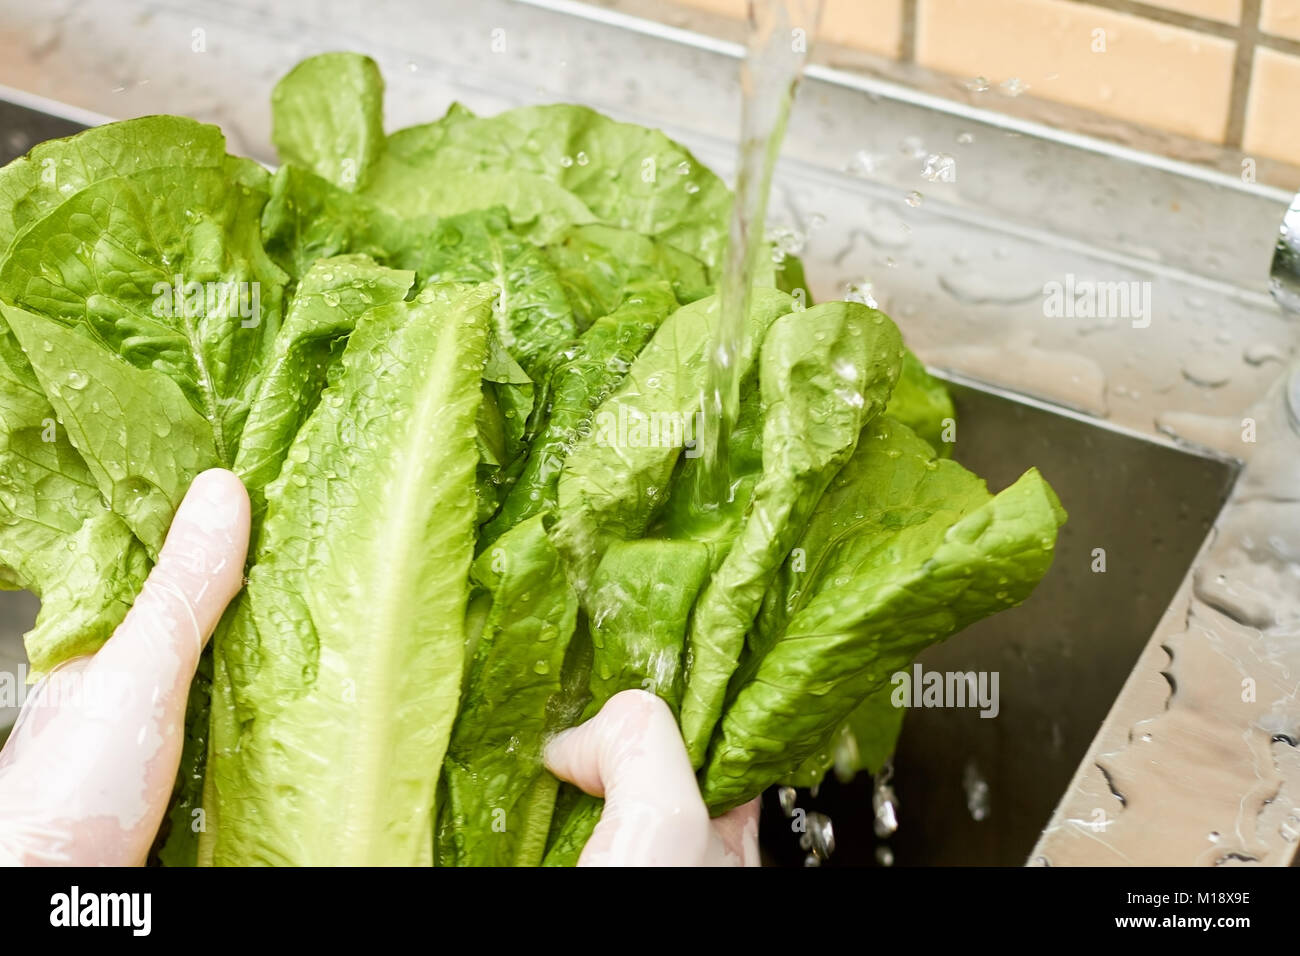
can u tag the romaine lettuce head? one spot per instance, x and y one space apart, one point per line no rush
460 369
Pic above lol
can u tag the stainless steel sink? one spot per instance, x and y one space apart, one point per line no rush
979 791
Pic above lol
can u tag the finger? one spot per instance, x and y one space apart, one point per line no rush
632 754
735 836
88 770
199 570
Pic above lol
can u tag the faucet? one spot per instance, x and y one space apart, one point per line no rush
1284 283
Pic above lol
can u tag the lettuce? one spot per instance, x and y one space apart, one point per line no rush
459 369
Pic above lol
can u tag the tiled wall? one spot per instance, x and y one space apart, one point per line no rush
1194 73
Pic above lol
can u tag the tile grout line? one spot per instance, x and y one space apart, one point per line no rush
907 41
1172 18
1205 25
1243 73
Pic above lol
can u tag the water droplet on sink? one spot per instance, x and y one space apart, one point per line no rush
939 168
1206 371
1290 828
914 199
862 163
1262 352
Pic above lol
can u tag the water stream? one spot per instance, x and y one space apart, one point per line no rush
780 34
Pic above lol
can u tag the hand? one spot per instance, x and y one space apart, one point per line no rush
631 753
87 773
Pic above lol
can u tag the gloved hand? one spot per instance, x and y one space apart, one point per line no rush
87 772
632 754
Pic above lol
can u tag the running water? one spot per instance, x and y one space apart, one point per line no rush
780 32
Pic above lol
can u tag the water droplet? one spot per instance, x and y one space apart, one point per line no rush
977 84
913 199
1290 827
884 803
1262 352
940 168
965 138
1013 87
77 380
977 792
1206 371
861 163
566 161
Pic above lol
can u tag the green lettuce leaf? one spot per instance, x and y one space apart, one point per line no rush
599 265
327 115
166 267
865 741
57 539
337 678
615 479
36 184
579 382
499 797
641 599
141 440
922 403
547 164
325 308
532 313
825 372
904 550
308 218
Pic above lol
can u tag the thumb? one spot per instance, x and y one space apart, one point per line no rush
632 754
87 773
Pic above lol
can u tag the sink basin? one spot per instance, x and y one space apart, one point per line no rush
976 791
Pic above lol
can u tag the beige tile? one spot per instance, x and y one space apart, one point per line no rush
730 8
876 27
1281 18
1225 11
1162 76
1273 107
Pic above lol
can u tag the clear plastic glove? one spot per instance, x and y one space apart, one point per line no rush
632 754
87 773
